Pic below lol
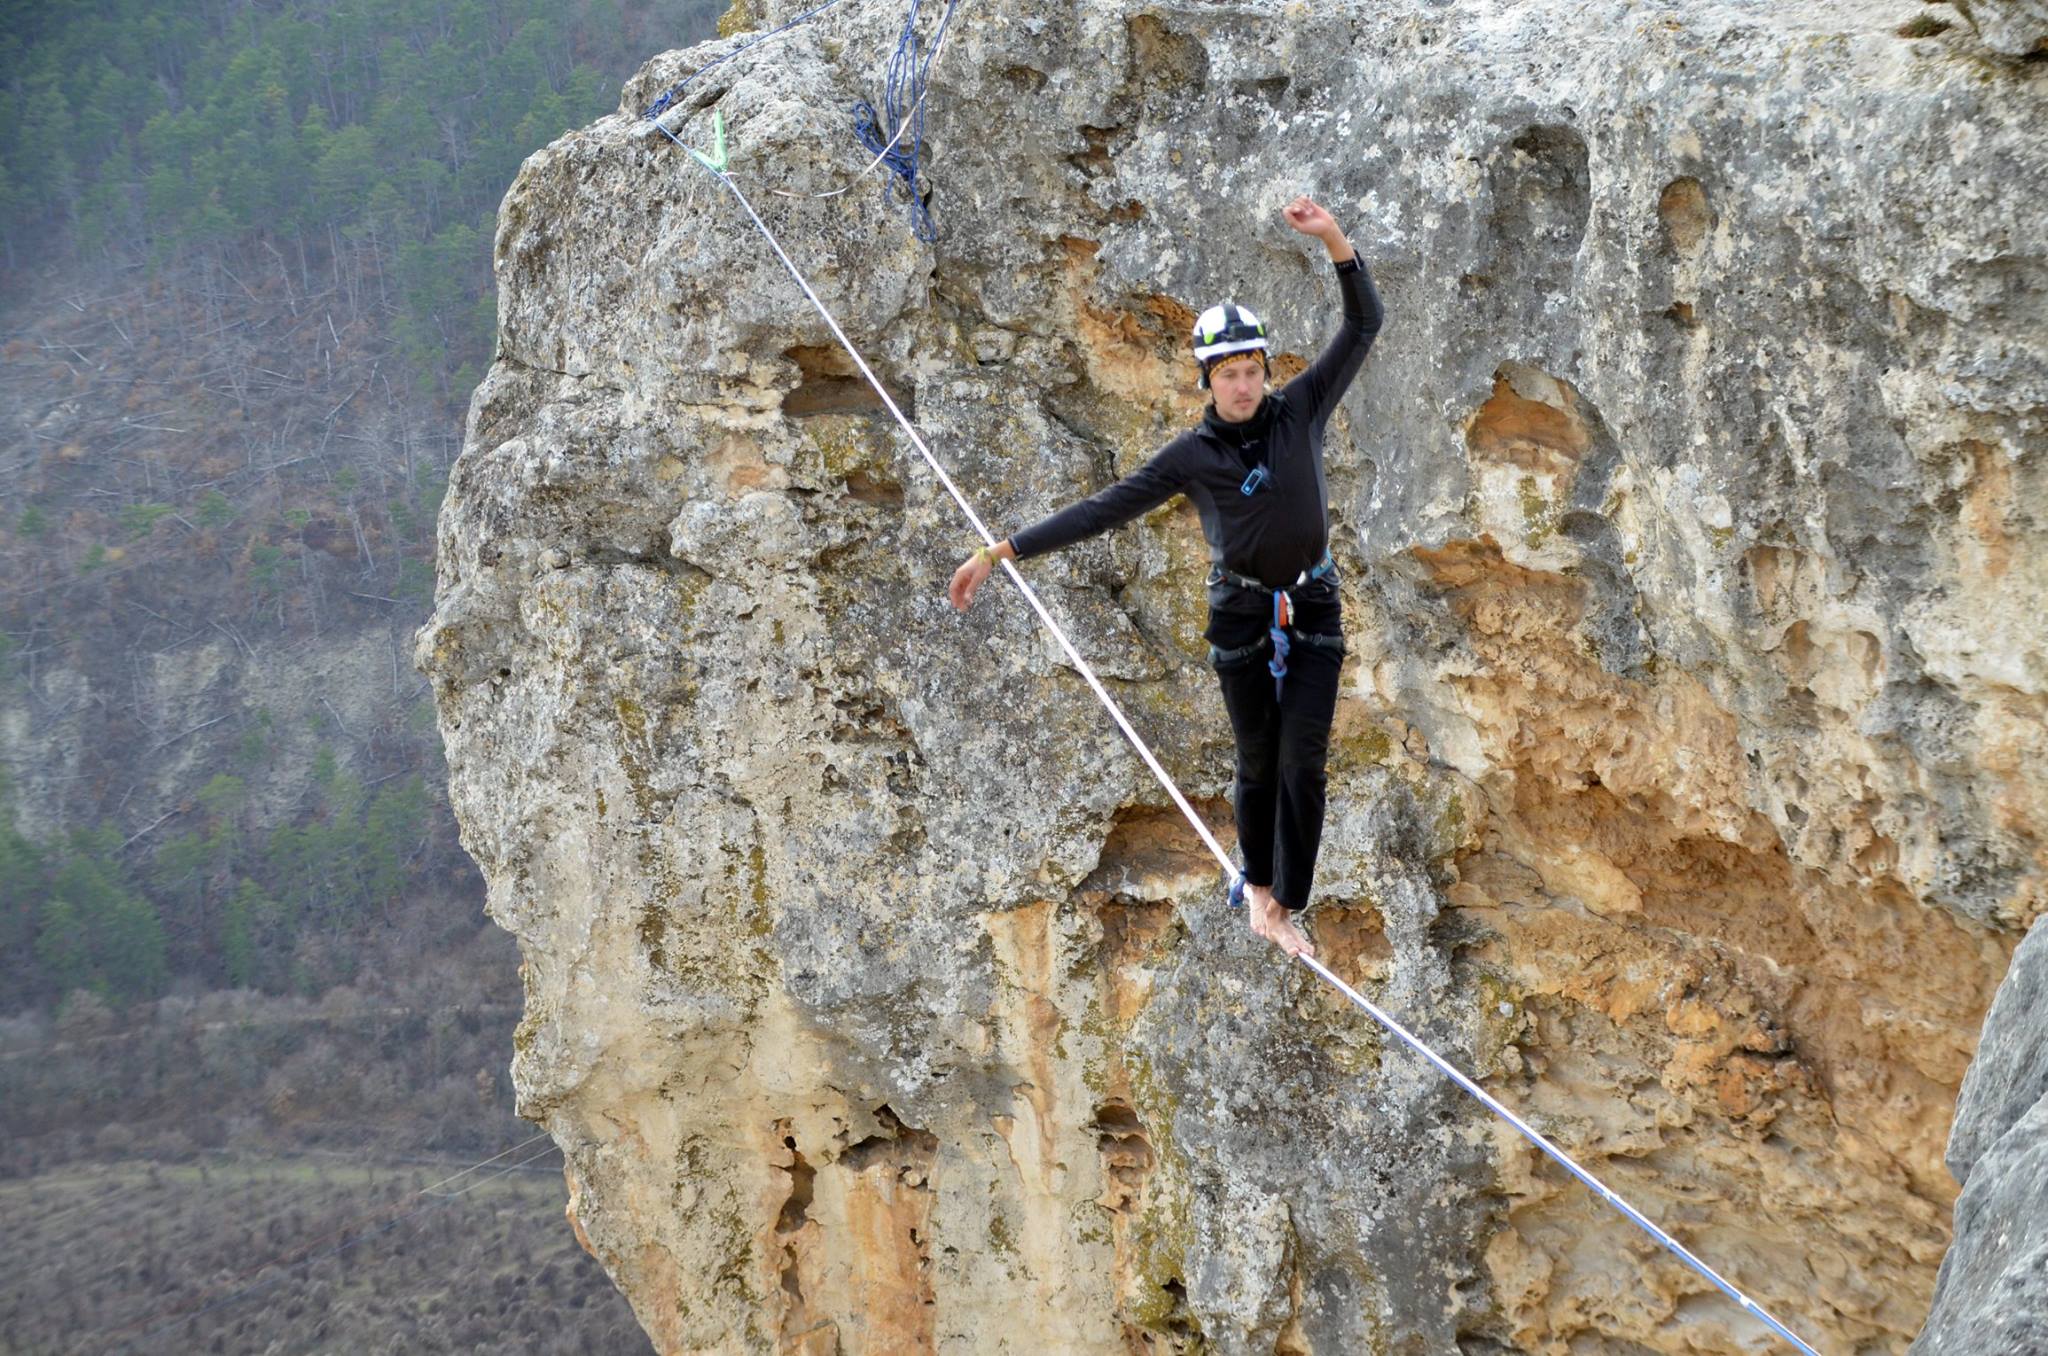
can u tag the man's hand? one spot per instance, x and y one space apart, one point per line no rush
966 580
973 571
1304 214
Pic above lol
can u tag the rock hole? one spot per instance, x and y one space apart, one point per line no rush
1272 89
796 1209
1540 190
1095 161
1025 79
1176 1324
790 1221
1116 1117
1923 26
1127 1157
831 384
1164 60
869 489
893 1141
1682 208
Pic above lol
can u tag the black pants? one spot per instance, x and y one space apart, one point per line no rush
1281 744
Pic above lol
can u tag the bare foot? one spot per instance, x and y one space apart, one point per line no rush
1272 920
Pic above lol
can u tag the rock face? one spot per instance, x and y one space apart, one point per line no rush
1687 780
1993 1291
2010 27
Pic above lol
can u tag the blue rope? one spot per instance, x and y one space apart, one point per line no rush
675 91
881 133
1277 665
903 96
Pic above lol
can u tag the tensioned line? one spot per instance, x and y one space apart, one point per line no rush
1606 1193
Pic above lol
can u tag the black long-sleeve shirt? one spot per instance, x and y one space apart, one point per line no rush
1281 529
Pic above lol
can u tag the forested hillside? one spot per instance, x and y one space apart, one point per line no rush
363 141
247 290
245 287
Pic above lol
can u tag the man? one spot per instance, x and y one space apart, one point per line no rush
1254 467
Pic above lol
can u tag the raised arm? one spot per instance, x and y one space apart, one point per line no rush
1326 379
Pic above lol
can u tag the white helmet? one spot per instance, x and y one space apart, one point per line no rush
1225 329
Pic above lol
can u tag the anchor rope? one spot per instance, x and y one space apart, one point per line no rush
903 106
675 91
903 91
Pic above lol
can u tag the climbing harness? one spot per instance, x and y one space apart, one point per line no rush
1277 633
1201 828
1280 637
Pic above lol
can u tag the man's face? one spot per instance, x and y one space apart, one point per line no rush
1237 383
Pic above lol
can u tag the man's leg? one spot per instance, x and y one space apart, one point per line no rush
1255 720
1255 723
1304 743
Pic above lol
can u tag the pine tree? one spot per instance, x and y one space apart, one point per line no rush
24 886
63 946
43 156
242 945
96 931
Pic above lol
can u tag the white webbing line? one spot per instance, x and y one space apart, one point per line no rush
1372 1010
1530 1133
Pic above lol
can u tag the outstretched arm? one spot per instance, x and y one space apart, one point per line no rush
1151 485
1324 382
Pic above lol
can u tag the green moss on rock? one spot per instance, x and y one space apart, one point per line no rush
1538 515
740 18
1369 747
1500 1023
1162 1232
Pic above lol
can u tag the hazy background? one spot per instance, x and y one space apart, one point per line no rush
252 1018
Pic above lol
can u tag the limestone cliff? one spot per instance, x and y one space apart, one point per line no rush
1688 774
1993 1290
